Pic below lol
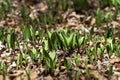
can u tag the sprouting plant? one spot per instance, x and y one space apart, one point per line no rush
20 58
108 16
62 5
4 70
67 63
1 34
32 32
28 74
115 3
95 51
109 46
80 5
77 60
1 14
70 40
41 34
89 55
87 69
50 42
24 12
78 75
33 54
79 41
26 33
61 42
11 38
110 69
117 49
50 4
99 17
101 50
49 59
37 22
43 19
6 6
116 13
109 33
9 3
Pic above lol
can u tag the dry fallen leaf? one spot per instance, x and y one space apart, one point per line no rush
93 21
48 78
114 24
96 74
117 66
114 60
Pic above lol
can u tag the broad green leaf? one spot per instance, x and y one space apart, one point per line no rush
61 41
80 41
67 63
80 5
24 12
26 33
110 69
108 16
49 34
99 17
52 55
11 38
33 54
20 58
41 34
32 32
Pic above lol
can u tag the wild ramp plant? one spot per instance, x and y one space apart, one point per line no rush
33 54
80 5
67 63
28 33
3 68
77 60
62 5
2 38
70 40
6 7
99 17
49 59
25 14
11 38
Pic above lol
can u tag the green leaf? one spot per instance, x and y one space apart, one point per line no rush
11 39
24 12
26 33
32 32
67 63
49 34
109 33
1 35
110 69
80 41
108 16
61 41
4 5
80 5
9 3
69 40
99 17
110 43
41 34
20 58
77 60
52 55
87 72
33 53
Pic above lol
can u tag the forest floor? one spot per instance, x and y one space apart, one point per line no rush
71 64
